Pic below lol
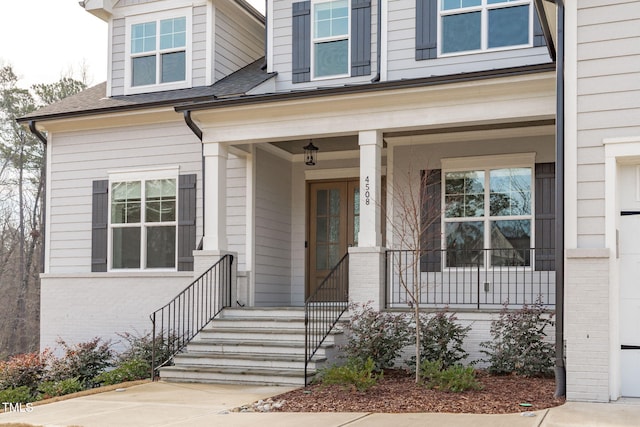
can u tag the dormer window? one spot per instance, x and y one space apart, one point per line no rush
481 25
158 53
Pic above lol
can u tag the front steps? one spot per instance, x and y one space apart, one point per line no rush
260 346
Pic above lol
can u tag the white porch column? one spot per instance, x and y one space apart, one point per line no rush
215 202
366 262
370 234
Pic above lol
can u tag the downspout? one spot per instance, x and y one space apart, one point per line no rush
34 130
560 370
378 42
198 132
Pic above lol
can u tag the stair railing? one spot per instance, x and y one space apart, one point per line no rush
323 309
177 322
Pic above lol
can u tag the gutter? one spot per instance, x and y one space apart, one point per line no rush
560 369
379 43
34 130
198 132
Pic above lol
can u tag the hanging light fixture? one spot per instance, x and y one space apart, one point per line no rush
310 151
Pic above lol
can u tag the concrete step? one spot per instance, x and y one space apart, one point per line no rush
247 360
261 346
228 375
269 312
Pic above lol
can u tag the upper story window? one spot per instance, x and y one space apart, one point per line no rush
158 52
143 223
479 25
330 38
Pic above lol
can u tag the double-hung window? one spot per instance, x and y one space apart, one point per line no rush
480 25
143 223
158 53
488 216
330 41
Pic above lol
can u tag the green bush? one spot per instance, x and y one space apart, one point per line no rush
354 375
140 347
518 344
83 361
16 395
456 378
24 370
129 370
60 388
376 335
441 338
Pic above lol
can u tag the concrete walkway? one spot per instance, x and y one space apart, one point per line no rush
165 404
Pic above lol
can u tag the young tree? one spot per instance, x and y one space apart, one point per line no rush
414 208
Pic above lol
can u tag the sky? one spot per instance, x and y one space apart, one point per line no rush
44 40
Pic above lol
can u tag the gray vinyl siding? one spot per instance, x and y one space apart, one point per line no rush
283 57
199 45
79 158
401 62
123 3
239 41
117 57
237 208
608 102
272 230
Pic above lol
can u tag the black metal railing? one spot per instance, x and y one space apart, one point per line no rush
323 309
175 324
478 278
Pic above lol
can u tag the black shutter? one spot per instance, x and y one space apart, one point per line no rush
430 240
426 29
538 34
186 221
545 216
301 42
99 219
361 37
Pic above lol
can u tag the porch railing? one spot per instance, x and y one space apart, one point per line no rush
479 278
323 309
175 324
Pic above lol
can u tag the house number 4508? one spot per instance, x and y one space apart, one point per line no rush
367 191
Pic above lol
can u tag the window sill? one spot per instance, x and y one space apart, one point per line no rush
122 274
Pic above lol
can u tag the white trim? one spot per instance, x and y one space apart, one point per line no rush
331 155
269 23
250 251
47 213
315 41
157 17
151 7
210 44
571 126
384 42
337 173
110 59
488 162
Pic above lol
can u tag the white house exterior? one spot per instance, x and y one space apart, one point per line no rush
203 119
602 137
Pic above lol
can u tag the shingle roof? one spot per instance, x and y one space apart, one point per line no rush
94 100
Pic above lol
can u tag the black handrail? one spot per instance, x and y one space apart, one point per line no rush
323 309
478 278
189 312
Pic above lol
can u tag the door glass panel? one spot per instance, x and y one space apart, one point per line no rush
356 215
322 260
322 203
335 202
321 233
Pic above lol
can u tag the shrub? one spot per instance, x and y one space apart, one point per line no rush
16 395
59 388
456 378
140 347
354 375
518 344
376 335
129 370
83 361
24 370
441 338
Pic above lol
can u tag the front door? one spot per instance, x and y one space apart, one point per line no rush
333 220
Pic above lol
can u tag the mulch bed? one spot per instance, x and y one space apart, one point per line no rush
397 392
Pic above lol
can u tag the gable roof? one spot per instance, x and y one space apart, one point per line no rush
94 101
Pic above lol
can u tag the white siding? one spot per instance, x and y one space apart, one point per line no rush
401 44
239 40
608 55
199 46
117 57
273 230
78 158
237 208
123 3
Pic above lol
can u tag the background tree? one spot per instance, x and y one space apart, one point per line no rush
22 180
